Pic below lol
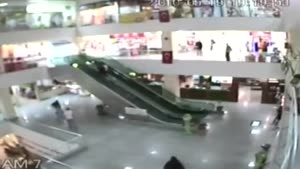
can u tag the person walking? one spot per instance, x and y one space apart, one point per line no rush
58 111
278 116
198 47
173 163
227 52
70 120
212 43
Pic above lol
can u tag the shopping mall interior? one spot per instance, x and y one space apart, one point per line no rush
140 84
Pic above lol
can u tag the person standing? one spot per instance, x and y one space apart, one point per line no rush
58 111
198 47
69 119
212 43
227 52
278 116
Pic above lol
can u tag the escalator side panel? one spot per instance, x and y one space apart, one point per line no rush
109 97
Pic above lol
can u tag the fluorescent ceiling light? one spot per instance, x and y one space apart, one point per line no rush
3 4
255 123
251 164
255 131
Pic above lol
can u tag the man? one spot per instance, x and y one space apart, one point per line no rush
173 163
278 116
58 111
212 43
227 52
70 120
198 47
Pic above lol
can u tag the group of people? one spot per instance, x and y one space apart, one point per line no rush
64 115
199 46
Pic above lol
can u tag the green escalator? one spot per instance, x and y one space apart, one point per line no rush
123 90
156 106
180 102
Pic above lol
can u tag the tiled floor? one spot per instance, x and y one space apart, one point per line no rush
117 144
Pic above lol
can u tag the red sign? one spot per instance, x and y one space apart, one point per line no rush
164 16
167 57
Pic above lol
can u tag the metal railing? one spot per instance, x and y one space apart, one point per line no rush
74 142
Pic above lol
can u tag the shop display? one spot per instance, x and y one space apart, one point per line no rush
38 15
34 54
129 44
99 13
249 46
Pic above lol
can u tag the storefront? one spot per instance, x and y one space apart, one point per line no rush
38 15
35 54
99 13
132 44
245 45
22 56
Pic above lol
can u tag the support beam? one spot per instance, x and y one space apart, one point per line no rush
6 105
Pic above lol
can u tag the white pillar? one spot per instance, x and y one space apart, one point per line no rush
166 41
171 87
294 39
6 105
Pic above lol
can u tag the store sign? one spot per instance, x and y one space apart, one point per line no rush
133 17
164 16
167 57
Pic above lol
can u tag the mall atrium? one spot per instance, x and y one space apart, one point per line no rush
149 84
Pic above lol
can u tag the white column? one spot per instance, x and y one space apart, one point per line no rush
166 41
294 39
6 105
171 87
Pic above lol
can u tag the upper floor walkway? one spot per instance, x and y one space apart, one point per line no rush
61 20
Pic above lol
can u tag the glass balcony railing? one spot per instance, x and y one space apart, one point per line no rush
207 55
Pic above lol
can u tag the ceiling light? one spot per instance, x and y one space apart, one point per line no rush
225 112
75 65
153 152
67 102
255 131
251 164
3 4
255 123
128 167
121 117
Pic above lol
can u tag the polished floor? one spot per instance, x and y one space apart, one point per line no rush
230 142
